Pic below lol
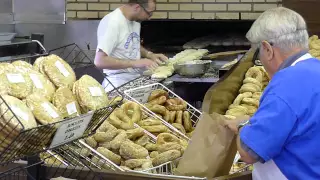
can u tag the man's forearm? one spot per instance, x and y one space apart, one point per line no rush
245 156
144 53
107 62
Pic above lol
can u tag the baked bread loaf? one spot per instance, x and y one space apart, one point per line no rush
66 103
43 110
90 94
58 71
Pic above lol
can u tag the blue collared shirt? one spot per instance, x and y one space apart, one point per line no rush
286 127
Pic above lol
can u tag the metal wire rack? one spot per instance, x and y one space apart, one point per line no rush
72 160
140 81
141 94
16 141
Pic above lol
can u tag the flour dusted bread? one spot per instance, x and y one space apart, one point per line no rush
21 111
90 94
22 66
42 85
20 84
58 71
4 84
42 109
66 102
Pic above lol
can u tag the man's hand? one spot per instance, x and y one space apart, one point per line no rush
159 58
233 124
144 63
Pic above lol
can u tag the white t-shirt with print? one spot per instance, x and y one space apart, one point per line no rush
119 38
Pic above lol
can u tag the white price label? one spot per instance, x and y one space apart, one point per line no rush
18 112
62 69
15 78
71 108
36 81
50 110
142 94
95 91
71 130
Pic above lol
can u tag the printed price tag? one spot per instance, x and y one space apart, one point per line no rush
71 108
18 112
36 81
49 110
15 78
62 69
142 94
95 91
71 130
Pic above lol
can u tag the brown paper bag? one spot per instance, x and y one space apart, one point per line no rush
211 151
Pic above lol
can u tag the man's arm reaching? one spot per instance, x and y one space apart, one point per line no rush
150 55
103 61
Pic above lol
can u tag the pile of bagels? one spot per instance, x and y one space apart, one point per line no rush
247 102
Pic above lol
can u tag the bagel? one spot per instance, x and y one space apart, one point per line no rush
239 98
160 100
119 119
187 121
157 109
237 111
249 87
253 81
157 93
256 95
179 117
255 72
166 138
156 128
250 109
230 117
149 122
134 108
251 101
179 127
172 116
176 104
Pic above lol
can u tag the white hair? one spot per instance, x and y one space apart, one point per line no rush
282 27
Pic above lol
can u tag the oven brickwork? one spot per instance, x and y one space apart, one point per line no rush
177 9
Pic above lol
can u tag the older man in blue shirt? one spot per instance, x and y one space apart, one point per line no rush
282 138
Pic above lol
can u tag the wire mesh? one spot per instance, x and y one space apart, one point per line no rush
72 160
16 141
138 82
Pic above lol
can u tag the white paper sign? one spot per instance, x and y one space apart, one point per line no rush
62 69
71 130
15 78
142 95
49 110
95 91
36 81
71 108
17 111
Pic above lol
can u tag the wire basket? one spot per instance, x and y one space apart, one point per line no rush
138 82
167 170
140 95
108 162
69 161
16 141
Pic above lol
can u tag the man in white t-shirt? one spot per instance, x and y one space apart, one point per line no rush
119 51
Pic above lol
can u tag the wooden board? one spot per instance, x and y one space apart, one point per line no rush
224 54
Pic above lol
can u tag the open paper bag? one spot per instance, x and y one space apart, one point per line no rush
211 151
